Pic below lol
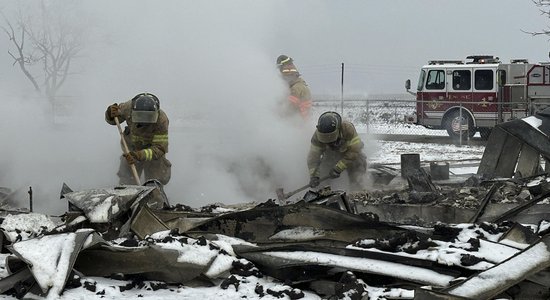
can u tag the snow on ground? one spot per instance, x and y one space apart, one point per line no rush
398 128
389 152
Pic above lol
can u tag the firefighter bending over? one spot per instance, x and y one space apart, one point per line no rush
299 100
335 145
146 135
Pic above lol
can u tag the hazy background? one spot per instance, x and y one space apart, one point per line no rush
212 64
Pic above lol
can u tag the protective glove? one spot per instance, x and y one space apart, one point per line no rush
334 173
133 157
314 182
113 111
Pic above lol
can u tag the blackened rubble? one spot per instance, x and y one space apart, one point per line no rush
466 195
322 244
472 200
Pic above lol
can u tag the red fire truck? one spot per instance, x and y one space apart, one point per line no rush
464 97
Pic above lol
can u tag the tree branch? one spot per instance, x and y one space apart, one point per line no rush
53 44
20 58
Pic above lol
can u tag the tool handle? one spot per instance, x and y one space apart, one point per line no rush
304 187
126 151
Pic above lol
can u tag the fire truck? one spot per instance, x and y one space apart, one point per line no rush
464 97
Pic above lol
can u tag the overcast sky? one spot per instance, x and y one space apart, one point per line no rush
381 43
214 61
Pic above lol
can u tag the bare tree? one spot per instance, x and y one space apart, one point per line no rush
43 46
544 8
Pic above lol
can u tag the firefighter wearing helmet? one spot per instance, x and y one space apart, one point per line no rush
336 146
299 100
146 135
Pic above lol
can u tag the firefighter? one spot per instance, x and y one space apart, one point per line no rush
146 135
299 100
335 145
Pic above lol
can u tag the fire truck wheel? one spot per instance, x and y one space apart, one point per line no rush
456 125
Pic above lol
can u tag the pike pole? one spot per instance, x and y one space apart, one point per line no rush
126 151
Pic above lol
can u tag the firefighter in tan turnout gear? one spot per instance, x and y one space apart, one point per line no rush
299 100
336 146
146 135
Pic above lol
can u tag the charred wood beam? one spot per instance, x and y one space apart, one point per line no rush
420 181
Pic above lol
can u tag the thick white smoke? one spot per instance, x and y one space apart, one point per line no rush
212 64
216 79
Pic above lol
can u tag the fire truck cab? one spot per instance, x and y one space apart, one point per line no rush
464 97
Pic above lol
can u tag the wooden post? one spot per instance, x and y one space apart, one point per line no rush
30 198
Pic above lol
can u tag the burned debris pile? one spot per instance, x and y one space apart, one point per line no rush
467 195
325 245
475 199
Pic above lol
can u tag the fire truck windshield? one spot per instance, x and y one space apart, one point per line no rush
421 80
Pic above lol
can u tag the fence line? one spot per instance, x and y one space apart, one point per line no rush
376 116
389 116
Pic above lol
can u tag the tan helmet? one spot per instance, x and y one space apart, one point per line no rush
286 65
328 127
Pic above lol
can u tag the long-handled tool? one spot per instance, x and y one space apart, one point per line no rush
281 196
126 151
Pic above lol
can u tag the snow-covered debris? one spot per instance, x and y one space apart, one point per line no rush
197 251
490 283
23 226
401 271
48 257
466 245
268 251
103 205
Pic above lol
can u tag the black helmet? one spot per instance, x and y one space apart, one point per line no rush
145 108
328 127
283 59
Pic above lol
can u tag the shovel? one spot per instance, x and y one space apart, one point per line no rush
126 151
281 196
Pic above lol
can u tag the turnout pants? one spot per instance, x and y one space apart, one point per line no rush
160 169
